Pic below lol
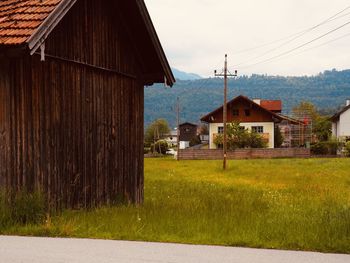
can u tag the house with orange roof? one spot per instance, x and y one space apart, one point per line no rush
257 115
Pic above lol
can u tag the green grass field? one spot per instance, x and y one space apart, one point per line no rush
299 204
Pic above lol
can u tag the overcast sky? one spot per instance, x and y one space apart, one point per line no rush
196 34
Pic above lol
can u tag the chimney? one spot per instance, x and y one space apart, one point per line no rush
347 102
257 101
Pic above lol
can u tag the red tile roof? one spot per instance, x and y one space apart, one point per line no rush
272 105
30 22
19 19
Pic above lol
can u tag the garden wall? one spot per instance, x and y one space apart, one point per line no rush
202 154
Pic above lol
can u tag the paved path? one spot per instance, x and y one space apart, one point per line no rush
46 250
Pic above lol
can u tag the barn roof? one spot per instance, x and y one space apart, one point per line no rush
188 123
29 22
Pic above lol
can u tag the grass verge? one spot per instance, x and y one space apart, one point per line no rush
286 204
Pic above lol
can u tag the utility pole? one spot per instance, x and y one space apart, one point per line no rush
178 127
225 74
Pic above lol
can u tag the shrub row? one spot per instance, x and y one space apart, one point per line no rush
326 148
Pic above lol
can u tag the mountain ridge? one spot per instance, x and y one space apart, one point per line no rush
182 75
328 91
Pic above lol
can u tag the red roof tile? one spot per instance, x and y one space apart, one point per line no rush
272 105
19 19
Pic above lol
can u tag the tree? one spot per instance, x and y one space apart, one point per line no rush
306 109
204 130
321 125
322 128
238 138
278 137
156 131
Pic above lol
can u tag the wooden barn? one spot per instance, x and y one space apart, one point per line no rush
72 77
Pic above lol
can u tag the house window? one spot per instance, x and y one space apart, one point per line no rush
187 130
258 129
247 112
242 128
220 130
235 112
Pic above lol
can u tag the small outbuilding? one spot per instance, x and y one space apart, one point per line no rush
72 77
188 131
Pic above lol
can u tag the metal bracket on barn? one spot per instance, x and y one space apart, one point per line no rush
42 51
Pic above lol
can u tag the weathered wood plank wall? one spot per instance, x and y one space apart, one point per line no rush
72 126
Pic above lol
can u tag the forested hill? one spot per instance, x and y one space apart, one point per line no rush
328 91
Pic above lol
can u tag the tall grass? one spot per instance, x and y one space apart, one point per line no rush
21 208
288 204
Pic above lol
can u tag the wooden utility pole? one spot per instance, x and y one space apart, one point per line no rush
225 74
178 127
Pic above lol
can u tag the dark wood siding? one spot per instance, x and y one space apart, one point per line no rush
72 126
188 132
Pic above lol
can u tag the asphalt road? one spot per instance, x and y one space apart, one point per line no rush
47 250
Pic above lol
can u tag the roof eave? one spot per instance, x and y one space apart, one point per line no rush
336 116
169 78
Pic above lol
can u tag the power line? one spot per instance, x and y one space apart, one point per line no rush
298 34
298 47
323 44
314 47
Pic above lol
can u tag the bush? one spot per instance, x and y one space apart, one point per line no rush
21 208
238 138
319 148
146 150
160 146
278 137
347 149
326 148
195 141
147 145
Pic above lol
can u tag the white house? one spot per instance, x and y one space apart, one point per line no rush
171 138
260 116
341 123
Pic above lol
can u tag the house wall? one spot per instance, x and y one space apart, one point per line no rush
72 126
335 129
344 124
268 128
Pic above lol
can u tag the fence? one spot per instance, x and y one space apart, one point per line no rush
203 154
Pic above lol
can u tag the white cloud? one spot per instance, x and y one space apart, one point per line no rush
197 33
